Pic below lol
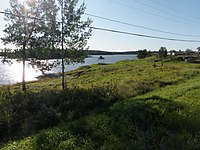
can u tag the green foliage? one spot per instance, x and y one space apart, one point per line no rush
141 54
189 52
30 111
162 52
17 31
26 144
51 140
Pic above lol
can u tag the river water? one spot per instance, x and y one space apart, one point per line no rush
12 73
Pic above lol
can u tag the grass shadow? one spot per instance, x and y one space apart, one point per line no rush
141 123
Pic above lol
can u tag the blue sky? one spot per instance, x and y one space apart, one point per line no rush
112 41
147 13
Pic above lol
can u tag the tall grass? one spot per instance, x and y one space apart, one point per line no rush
162 111
25 113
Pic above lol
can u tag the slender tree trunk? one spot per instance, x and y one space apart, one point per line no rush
63 74
63 66
24 65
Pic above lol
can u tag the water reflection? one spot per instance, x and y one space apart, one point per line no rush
12 72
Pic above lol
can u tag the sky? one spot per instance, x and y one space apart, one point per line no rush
176 16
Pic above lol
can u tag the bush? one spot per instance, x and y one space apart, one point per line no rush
142 54
25 113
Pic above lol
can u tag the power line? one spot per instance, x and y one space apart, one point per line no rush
142 35
117 31
166 12
188 35
138 26
153 14
175 10
9 13
20 16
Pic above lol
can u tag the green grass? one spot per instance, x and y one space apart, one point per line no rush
128 75
145 108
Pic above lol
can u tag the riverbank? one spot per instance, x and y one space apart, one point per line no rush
12 73
129 104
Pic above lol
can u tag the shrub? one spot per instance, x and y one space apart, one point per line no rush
142 54
25 113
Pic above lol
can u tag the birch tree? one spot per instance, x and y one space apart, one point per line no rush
22 22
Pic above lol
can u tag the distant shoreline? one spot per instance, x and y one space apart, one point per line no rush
98 52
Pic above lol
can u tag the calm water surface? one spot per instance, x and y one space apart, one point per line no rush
12 73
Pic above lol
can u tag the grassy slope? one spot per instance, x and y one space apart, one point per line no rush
128 75
166 117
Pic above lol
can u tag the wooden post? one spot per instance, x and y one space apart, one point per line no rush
154 64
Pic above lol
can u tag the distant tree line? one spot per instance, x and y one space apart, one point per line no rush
99 52
41 53
163 53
